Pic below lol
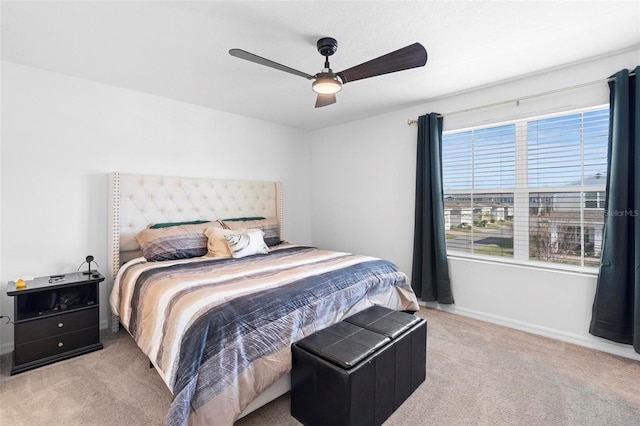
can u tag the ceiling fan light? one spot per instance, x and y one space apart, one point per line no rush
326 85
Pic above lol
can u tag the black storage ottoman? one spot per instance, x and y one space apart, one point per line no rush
360 370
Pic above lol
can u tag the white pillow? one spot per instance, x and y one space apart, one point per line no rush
246 243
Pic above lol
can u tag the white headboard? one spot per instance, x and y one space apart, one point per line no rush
135 201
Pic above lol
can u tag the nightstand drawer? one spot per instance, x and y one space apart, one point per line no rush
51 346
30 331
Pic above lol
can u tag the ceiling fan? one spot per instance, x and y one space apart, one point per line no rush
327 83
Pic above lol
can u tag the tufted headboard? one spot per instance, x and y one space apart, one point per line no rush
139 200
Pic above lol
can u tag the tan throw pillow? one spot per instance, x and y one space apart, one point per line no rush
217 243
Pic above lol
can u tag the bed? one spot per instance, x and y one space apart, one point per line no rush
218 326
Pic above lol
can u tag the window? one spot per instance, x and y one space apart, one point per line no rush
594 200
529 190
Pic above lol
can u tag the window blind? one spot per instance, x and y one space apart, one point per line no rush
531 190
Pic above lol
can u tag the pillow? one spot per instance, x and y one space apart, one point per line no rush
246 244
270 227
216 242
218 245
175 242
170 224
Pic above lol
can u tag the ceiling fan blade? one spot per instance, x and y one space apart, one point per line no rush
412 56
324 100
242 54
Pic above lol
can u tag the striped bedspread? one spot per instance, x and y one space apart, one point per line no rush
219 330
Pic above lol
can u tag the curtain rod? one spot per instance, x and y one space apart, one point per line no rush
517 100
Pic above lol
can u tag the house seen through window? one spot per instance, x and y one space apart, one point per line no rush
530 190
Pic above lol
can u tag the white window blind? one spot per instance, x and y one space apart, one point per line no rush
530 190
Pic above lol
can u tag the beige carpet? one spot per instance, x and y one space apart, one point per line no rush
477 374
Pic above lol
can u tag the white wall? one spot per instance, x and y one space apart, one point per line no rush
61 136
363 183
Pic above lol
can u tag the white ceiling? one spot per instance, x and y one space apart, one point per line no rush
179 49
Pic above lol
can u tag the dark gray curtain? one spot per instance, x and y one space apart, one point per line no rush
616 308
430 272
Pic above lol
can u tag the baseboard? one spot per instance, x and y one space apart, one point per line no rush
586 341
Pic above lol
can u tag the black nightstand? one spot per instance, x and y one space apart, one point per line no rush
55 318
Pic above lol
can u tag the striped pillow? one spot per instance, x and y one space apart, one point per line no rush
270 227
176 242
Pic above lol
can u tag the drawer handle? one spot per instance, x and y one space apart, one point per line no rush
60 325
60 344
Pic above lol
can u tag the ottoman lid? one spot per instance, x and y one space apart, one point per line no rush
384 321
343 344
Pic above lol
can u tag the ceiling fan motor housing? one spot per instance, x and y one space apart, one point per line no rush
327 46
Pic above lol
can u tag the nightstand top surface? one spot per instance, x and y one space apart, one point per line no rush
50 282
